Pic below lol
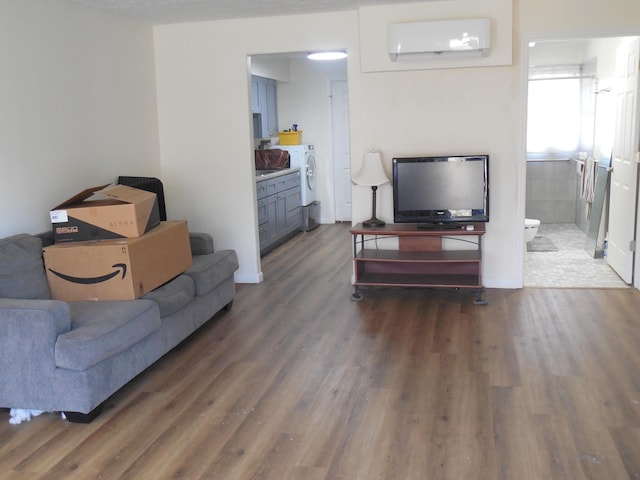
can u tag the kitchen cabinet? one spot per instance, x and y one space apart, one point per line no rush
279 209
255 96
264 101
272 109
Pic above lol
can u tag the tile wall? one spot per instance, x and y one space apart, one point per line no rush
553 193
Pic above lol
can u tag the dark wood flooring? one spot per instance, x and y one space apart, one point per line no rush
299 382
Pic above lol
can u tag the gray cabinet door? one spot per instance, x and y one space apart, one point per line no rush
294 210
264 100
272 109
279 209
272 217
255 97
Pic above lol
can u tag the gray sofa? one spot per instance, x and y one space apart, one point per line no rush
71 356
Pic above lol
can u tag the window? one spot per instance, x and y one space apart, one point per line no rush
554 116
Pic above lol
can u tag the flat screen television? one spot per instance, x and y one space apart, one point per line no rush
441 191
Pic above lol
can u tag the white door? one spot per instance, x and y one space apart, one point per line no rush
622 206
341 154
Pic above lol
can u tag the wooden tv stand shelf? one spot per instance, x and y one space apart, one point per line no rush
420 260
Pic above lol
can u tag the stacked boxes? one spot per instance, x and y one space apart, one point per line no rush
113 248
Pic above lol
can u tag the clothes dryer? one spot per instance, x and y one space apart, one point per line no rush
303 157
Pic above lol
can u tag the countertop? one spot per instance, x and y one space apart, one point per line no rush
263 175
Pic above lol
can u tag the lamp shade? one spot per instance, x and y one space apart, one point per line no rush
371 174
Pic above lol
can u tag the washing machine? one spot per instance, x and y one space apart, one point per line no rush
303 157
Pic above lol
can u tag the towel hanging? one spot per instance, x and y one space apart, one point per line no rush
589 182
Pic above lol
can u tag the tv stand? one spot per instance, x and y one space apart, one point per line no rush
441 226
420 260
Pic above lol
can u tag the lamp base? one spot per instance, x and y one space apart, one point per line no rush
373 222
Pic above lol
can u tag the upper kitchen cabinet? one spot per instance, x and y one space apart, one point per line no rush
255 97
264 104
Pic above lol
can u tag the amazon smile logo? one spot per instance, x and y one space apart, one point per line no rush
92 280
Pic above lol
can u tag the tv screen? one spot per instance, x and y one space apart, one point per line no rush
441 190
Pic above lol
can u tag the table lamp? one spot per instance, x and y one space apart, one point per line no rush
371 175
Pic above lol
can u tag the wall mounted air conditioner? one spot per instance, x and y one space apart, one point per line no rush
440 39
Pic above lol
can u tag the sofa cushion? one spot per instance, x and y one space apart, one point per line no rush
209 271
22 272
100 330
174 295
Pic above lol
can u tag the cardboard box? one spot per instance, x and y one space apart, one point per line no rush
99 213
119 269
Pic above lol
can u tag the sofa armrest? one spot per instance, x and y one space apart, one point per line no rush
50 316
201 243
29 330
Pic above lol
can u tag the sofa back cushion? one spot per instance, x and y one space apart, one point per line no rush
209 271
22 272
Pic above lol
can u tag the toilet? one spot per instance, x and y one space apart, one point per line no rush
530 228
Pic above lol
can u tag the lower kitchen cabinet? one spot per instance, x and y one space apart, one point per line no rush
279 210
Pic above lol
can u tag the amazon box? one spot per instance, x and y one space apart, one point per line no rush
118 269
100 213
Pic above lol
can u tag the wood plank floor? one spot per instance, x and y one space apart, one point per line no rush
299 382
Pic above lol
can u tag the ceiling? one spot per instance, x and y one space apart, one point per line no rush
178 11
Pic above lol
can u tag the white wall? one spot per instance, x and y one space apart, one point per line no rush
604 50
575 17
276 67
78 100
405 108
569 52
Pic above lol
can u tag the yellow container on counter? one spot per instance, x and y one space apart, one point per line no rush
291 138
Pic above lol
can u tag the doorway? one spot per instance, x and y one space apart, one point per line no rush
313 96
555 171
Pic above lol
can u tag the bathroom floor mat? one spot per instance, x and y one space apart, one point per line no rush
541 244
